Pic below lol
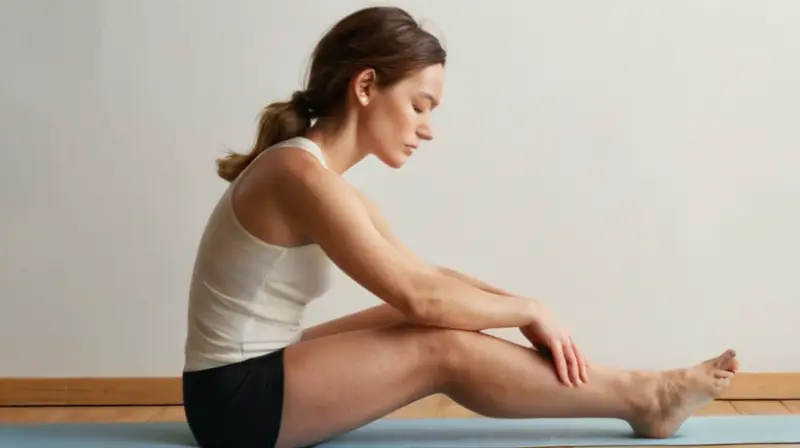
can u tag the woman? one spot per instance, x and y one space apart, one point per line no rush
254 378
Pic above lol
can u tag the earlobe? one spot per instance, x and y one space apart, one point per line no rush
363 98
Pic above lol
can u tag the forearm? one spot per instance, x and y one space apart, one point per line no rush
473 281
450 301
385 315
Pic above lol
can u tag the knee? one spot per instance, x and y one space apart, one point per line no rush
446 347
441 349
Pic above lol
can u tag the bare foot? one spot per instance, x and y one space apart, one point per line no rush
679 393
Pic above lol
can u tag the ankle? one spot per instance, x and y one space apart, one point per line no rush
643 392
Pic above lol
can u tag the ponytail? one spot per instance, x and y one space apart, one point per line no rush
279 121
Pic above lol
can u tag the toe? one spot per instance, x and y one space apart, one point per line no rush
727 361
723 374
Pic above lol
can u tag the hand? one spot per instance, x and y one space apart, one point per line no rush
547 335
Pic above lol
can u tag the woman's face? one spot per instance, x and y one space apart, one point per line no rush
395 120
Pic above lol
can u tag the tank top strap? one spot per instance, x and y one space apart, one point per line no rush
304 143
295 142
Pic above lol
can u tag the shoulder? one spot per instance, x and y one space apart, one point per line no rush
302 184
291 162
293 169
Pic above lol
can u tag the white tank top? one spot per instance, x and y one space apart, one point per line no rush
247 297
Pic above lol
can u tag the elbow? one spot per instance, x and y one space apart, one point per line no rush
425 311
422 303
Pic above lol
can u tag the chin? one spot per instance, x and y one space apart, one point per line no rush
396 162
394 159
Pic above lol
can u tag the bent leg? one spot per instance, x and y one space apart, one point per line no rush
337 383
374 317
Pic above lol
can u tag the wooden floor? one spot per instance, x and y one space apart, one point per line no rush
435 406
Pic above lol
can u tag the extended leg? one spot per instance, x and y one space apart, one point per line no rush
337 383
508 381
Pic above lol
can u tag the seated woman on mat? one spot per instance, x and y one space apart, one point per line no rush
254 378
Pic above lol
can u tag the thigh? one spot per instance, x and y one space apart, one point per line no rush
375 317
337 383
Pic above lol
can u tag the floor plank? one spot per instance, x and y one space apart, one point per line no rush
717 408
792 405
73 414
168 414
760 407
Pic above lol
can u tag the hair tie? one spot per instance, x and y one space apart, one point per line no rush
301 103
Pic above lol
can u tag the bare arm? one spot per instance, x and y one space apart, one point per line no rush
480 284
564 357
332 213
385 230
386 315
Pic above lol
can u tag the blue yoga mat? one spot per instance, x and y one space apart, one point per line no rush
431 433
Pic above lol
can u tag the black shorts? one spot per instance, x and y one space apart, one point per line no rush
236 405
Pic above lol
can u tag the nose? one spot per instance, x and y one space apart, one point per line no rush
425 133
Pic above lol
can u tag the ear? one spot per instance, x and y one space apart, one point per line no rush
364 86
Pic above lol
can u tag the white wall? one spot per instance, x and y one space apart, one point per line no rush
625 161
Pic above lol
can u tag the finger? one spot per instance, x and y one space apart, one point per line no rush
560 362
584 363
572 362
577 363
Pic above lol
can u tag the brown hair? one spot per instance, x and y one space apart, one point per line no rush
385 39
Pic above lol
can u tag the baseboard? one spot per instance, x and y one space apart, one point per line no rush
90 391
167 391
764 386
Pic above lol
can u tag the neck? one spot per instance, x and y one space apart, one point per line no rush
338 143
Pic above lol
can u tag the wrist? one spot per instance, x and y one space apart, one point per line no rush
534 310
